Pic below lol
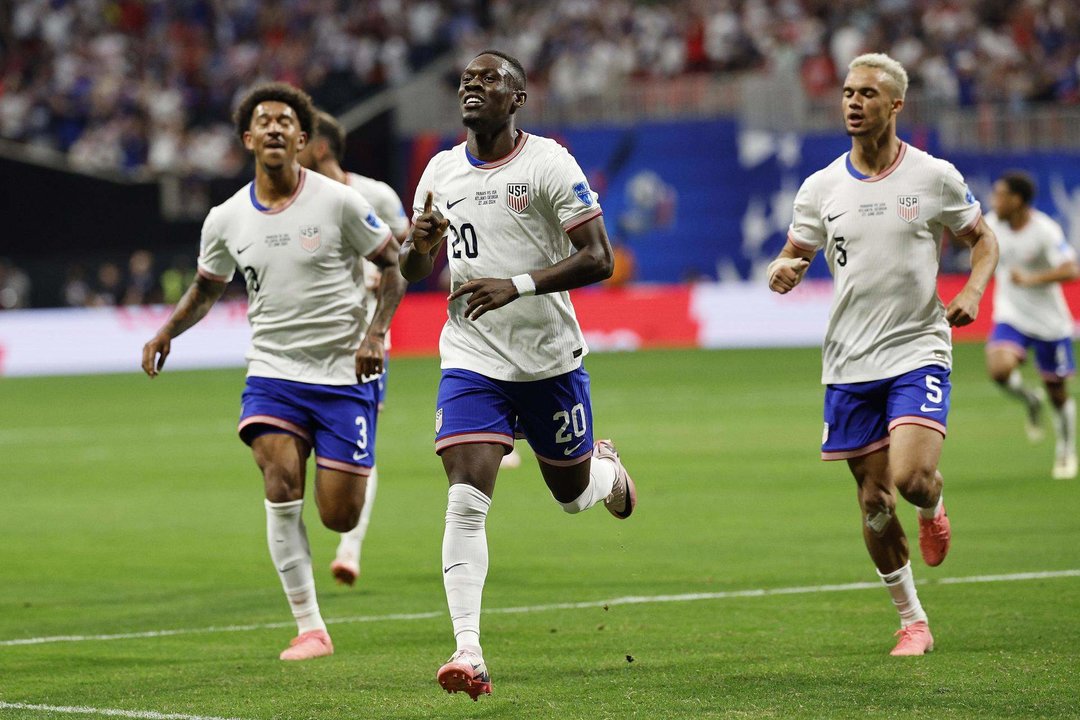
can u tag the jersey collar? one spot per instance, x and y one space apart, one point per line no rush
881 175
268 211
481 165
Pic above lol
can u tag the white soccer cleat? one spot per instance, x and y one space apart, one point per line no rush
623 498
1065 467
465 672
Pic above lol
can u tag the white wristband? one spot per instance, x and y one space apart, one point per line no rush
525 284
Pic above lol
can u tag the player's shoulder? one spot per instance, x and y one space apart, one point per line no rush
927 163
1045 224
827 176
541 149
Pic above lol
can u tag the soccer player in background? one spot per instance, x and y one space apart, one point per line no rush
323 153
297 237
1030 312
878 212
525 228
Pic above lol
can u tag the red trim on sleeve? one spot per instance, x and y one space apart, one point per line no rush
970 228
211 276
799 244
375 253
575 222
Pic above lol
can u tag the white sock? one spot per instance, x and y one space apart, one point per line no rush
465 561
1065 428
287 538
351 542
931 512
901 585
1015 386
602 474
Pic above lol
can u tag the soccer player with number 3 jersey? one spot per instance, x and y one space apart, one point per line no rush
522 228
878 212
298 238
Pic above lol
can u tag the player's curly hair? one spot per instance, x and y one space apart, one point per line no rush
294 97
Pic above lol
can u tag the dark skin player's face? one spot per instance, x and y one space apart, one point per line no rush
488 94
274 136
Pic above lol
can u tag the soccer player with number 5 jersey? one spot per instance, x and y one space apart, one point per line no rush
522 227
878 212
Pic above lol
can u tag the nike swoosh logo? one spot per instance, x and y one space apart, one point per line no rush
830 218
452 204
358 456
573 449
923 408
241 250
448 569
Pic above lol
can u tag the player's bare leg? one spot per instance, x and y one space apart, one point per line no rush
888 547
1003 366
471 470
282 458
1064 408
600 477
914 453
346 565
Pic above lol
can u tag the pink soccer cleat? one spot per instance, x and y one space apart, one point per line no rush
934 537
623 498
915 639
312 644
345 572
466 672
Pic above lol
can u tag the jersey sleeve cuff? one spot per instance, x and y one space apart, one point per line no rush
377 251
578 220
213 276
801 244
967 229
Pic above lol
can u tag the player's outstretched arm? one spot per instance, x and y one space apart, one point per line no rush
789 268
417 256
1064 272
372 351
192 308
594 261
964 308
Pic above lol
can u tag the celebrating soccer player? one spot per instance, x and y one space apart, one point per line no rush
1030 311
297 237
524 228
878 212
323 153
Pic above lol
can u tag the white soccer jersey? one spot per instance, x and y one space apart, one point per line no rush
388 207
508 217
1039 311
882 241
305 290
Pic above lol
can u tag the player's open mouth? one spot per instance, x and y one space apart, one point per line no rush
472 101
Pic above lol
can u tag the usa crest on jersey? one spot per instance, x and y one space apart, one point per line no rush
907 207
517 197
309 237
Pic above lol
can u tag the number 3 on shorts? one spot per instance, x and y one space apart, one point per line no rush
573 420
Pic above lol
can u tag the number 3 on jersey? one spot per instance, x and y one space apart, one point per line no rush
465 239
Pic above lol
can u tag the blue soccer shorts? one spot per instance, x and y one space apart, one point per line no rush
554 414
860 416
1054 358
338 421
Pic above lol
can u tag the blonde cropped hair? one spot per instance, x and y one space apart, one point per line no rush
880 61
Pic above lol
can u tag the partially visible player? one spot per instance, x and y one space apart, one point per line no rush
878 212
525 229
297 237
1030 312
323 153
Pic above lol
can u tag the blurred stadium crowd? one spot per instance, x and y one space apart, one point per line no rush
147 85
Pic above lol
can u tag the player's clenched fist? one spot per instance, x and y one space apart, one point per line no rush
430 228
786 273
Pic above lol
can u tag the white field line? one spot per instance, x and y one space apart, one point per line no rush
625 600
81 710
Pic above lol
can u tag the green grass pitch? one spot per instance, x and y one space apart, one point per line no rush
129 506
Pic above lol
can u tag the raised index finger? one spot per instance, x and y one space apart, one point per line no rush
428 201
